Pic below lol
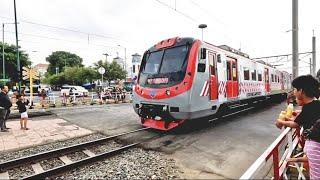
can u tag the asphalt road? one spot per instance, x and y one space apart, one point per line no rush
220 149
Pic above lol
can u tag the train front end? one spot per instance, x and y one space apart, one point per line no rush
161 96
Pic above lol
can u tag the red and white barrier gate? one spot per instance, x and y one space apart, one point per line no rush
289 139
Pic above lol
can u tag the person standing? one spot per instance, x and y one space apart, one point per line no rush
22 103
6 104
43 95
2 114
306 91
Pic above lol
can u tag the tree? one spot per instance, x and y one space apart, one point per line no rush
62 59
10 57
113 70
73 76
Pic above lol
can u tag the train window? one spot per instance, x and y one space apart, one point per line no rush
133 69
228 70
219 58
203 53
234 72
153 62
272 78
259 77
212 64
174 59
246 73
254 75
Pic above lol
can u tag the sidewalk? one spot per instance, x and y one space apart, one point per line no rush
40 132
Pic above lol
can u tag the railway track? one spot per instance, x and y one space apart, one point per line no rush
61 153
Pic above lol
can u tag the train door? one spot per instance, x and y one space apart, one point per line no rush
266 79
232 78
213 76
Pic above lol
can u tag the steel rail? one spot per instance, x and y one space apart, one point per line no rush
67 167
60 169
58 152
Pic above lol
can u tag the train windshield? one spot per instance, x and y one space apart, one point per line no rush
164 68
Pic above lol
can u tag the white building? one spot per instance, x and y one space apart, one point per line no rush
120 61
136 61
41 69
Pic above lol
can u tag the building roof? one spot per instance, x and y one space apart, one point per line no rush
41 66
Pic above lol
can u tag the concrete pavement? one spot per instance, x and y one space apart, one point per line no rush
40 132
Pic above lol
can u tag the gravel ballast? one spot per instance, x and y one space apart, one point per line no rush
133 164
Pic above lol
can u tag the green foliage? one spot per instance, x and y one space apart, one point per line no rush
72 76
62 59
113 70
10 57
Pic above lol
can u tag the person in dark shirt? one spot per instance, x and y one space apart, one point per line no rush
22 103
6 104
306 91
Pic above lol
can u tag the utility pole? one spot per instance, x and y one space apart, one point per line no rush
3 65
314 61
295 48
17 46
311 66
3 60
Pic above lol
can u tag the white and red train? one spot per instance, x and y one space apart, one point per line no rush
185 79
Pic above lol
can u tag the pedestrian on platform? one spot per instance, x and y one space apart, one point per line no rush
6 104
22 103
2 114
43 95
306 91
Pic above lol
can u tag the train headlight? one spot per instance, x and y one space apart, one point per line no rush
168 92
164 108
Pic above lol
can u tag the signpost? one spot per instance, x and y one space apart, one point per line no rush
31 74
101 70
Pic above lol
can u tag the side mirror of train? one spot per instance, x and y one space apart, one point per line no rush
203 53
201 67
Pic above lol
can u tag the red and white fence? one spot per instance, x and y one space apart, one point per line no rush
288 140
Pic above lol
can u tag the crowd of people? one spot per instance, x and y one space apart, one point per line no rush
116 93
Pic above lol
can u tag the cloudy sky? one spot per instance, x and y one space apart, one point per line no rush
92 28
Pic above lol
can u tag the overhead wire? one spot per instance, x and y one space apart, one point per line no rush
58 39
179 12
64 29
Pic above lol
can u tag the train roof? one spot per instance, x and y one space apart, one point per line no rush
230 49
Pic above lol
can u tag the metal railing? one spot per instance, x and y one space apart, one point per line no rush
289 139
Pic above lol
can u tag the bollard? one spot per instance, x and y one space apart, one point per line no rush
92 102
64 99
74 99
101 100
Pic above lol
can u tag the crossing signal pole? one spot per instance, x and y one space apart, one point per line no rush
31 74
